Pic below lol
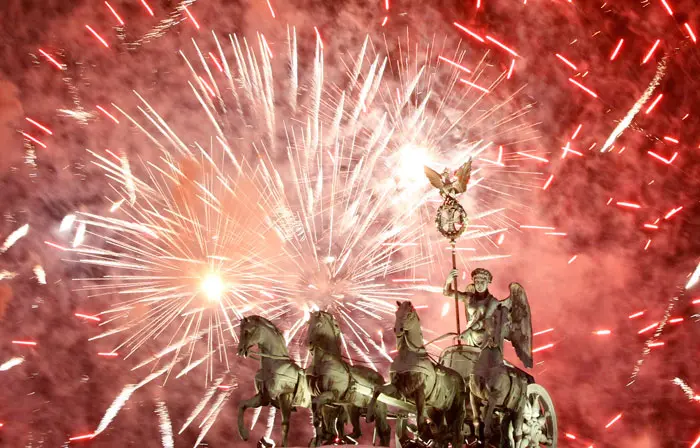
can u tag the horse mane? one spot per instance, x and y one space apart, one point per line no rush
267 323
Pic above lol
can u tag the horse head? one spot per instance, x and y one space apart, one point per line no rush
323 330
406 319
248 336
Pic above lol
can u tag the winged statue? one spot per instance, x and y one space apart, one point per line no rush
444 182
518 328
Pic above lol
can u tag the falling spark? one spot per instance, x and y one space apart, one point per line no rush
549 181
489 38
87 316
272 11
671 139
39 125
635 315
584 88
617 50
566 61
629 205
102 109
29 343
474 85
544 347
694 279
668 7
575 134
83 437
148 8
194 21
52 60
572 259
530 156
673 212
94 33
38 142
454 64
548 330
469 32
602 332
510 70
651 52
14 237
114 13
216 62
108 354
655 102
690 32
612 422
12 362
386 19
537 227
650 327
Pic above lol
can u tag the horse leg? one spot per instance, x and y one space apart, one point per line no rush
387 389
475 403
285 404
423 428
317 405
254 402
488 419
518 423
354 413
382 425
459 413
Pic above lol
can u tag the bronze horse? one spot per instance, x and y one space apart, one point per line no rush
437 391
279 382
332 379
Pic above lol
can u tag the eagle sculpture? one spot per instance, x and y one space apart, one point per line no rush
448 186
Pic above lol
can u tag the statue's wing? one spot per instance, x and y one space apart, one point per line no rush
520 332
434 178
463 175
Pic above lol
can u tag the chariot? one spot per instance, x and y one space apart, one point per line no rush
539 423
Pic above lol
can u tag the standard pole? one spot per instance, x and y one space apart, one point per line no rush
454 287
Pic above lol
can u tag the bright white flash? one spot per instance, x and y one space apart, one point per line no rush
408 163
213 287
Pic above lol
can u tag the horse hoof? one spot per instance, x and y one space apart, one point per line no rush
264 443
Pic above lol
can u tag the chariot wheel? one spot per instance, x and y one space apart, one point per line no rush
539 420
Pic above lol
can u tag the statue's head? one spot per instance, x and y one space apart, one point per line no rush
481 279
